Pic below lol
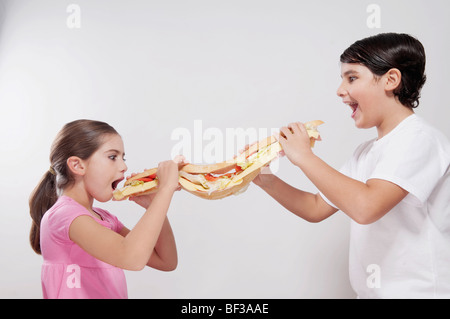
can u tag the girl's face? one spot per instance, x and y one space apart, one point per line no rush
363 93
105 168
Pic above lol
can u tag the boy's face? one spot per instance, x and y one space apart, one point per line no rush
363 92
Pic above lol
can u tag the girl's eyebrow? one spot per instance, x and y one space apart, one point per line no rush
115 151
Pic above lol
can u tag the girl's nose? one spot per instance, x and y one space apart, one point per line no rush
124 167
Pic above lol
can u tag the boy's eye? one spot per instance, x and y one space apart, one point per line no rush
352 78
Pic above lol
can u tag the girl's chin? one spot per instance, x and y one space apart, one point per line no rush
104 198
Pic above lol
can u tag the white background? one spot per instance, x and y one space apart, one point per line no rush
150 67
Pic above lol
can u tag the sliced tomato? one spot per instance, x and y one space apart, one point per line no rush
148 178
145 179
211 178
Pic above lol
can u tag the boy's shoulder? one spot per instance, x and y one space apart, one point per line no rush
413 133
425 133
415 129
415 137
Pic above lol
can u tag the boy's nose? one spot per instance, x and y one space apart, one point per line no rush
341 92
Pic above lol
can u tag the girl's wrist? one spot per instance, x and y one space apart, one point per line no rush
166 189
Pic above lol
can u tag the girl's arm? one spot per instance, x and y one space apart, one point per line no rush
308 206
365 203
133 251
164 256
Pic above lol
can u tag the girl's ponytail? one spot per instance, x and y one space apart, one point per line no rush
43 197
79 138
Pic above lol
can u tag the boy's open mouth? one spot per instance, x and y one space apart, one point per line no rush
354 107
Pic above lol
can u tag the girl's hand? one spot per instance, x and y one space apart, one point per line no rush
296 144
168 173
143 200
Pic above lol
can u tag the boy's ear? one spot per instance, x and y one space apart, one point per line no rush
76 165
393 79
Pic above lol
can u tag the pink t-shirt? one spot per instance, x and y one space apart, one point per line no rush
68 271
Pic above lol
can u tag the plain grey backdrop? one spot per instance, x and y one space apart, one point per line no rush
151 67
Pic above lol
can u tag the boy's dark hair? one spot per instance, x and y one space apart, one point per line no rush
386 51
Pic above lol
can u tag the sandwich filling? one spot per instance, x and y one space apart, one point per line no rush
216 182
136 186
207 183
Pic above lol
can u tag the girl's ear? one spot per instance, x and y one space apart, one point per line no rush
76 165
393 79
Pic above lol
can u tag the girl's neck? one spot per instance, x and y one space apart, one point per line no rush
79 194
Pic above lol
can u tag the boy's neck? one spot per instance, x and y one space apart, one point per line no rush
393 118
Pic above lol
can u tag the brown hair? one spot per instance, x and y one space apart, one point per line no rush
79 138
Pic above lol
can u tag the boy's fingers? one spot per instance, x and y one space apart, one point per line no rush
285 132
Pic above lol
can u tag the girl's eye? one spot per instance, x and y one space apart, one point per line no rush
113 157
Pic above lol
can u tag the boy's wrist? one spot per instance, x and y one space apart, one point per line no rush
306 158
267 181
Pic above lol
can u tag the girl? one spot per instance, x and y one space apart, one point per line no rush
85 248
395 188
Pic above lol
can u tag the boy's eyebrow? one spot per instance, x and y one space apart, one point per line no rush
348 73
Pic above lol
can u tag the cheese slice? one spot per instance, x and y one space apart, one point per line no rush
268 155
128 190
213 186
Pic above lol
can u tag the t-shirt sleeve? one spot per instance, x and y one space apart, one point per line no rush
59 223
416 163
113 222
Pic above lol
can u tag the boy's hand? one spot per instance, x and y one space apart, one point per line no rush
296 143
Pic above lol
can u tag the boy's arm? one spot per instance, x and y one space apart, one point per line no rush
308 206
365 203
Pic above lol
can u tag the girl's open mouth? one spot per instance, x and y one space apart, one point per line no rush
116 183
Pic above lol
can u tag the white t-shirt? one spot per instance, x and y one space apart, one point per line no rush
406 253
